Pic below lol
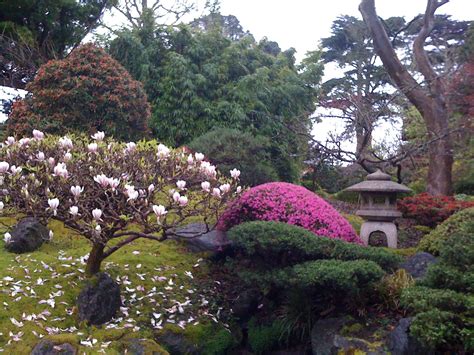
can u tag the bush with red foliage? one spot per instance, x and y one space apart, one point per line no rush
288 203
429 210
86 92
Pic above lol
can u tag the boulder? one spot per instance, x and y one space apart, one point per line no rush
177 344
27 236
47 347
418 264
326 339
142 347
401 343
99 300
213 241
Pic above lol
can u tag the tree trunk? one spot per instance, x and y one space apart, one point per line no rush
429 101
95 259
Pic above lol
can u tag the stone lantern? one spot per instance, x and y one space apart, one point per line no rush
378 206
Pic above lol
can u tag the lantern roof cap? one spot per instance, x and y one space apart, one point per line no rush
378 182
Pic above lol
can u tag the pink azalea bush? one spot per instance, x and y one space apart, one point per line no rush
292 204
111 193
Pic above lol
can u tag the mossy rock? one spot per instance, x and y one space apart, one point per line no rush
205 338
141 347
462 221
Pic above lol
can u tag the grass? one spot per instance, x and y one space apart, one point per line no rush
160 283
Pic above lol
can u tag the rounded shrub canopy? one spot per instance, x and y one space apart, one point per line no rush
292 204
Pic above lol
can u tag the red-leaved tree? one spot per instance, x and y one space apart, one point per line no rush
85 92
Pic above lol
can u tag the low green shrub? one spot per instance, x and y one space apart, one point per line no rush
273 244
263 338
336 277
458 222
438 330
444 302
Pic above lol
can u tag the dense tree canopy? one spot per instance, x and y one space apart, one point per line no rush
33 32
87 91
199 80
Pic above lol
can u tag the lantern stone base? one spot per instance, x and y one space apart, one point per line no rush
388 228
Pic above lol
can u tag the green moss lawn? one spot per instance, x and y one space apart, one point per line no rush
161 284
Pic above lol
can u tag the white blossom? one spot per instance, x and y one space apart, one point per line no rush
38 134
74 210
163 151
181 184
206 186
97 214
235 173
98 136
65 142
4 166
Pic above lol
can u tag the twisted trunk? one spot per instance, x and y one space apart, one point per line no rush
95 259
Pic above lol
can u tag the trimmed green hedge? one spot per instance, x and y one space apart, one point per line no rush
458 222
276 244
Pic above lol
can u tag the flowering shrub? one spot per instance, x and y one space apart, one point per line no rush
429 210
292 204
103 188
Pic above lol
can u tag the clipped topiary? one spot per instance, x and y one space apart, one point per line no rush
276 244
460 221
86 92
292 204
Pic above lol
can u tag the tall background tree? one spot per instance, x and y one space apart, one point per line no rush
429 97
33 32
203 77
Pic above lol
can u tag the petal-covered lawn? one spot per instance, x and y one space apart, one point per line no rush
160 285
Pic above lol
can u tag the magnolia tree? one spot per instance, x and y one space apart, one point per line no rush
109 192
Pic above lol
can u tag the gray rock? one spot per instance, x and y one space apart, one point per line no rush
27 236
99 300
418 264
177 344
326 339
324 333
401 343
47 347
213 241
143 347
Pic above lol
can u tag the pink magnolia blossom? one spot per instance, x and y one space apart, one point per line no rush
10 141
199 157
208 169
130 147
4 166
15 170
190 159
61 170
92 147
183 200
74 210
76 190
65 142
216 192
234 173
102 180
206 186
38 134
224 188
292 204
159 210
53 205
176 196
40 156
151 188
97 214
51 161
2 205
163 151
181 184
67 156
98 136
24 142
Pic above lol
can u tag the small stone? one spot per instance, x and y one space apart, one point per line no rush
401 343
418 264
47 347
27 236
100 300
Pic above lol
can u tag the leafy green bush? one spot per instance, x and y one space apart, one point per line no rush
263 338
444 303
281 244
331 276
230 148
460 221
